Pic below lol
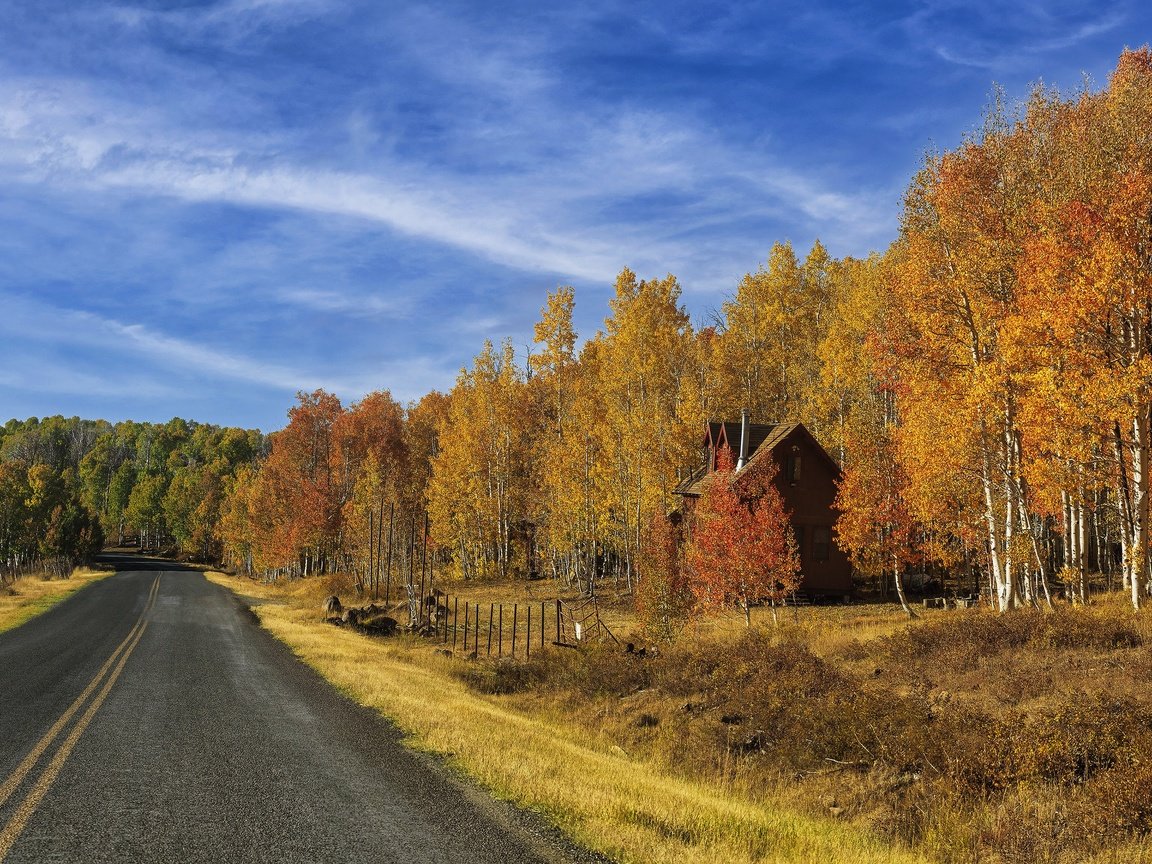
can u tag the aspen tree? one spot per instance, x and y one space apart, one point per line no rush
649 426
742 549
1090 271
956 282
295 502
767 357
562 429
480 487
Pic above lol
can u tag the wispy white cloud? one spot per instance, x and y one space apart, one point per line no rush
535 215
231 20
76 327
997 38
45 376
176 353
375 305
155 359
446 215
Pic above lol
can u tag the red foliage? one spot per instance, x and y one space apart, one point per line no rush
742 548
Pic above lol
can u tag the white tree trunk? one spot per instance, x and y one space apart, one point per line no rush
1137 558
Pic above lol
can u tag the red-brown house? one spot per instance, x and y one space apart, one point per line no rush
807 478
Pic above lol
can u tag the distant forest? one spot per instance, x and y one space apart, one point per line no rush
68 486
986 384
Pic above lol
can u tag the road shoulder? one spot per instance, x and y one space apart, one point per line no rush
31 596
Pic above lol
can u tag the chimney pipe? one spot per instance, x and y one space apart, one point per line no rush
743 439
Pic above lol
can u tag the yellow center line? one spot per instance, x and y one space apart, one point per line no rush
17 776
19 820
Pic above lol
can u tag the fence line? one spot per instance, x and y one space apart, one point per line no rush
514 635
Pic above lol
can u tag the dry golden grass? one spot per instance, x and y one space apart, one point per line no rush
31 595
971 736
826 628
626 808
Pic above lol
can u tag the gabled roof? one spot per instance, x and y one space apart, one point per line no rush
718 433
763 438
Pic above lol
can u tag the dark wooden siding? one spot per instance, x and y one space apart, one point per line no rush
809 497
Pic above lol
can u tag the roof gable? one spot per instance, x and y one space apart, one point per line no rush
763 438
782 433
719 433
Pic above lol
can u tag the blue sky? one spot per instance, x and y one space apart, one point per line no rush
207 206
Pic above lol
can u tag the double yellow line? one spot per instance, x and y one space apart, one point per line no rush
19 820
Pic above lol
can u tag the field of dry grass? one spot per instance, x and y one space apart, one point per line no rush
825 627
537 753
31 595
843 733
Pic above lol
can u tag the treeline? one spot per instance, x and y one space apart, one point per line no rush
67 485
550 464
334 477
1014 342
986 384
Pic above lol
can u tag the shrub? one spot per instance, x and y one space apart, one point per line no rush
597 670
1011 767
965 638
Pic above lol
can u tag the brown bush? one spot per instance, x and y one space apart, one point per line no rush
966 637
1019 764
1075 627
599 670
1119 802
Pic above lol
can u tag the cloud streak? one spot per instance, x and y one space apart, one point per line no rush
250 197
74 328
151 357
973 35
537 217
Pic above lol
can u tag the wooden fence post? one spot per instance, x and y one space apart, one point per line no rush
515 614
455 620
528 640
467 606
491 615
500 638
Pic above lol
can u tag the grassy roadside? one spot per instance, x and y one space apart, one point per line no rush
625 808
31 596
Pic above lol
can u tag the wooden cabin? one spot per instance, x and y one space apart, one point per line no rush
807 478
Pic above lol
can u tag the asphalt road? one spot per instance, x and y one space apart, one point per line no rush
150 719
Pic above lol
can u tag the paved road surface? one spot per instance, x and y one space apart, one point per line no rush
149 719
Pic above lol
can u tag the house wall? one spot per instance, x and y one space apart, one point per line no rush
809 495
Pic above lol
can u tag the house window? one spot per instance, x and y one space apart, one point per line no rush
821 542
792 466
798 533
